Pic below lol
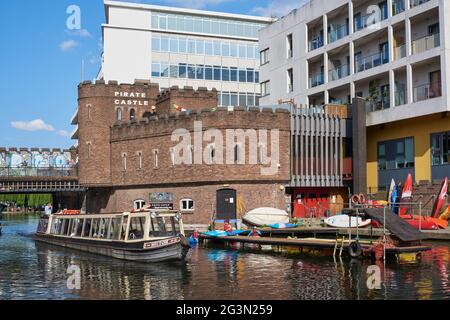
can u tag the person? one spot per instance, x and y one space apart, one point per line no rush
254 233
48 209
227 226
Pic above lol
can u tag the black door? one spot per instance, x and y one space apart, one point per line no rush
226 204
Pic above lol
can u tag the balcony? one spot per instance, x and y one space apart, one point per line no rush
316 43
400 52
337 33
400 97
372 61
427 91
398 6
378 104
426 43
339 72
362 22
316 80
416 3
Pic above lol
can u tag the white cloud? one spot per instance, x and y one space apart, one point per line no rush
67 45
64 133
83 33
34 125
277 8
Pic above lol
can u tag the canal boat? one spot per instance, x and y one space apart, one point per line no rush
145 236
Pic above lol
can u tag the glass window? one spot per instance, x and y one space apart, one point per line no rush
215 26
217 48
217 73
138 204
163 23
265 88
198 25
207 26
251 52
189 24
225 74
382 165
87 228
223 27
233 74
226 49
440 148
234 99
251 100
250 75
181 23
400 154
208 48
191 46
264 57
155 21
409 153
174 45
156 70
164 44
156 44
208 73
242 51
182 70
225 98
164 70
200 47
242 99
191 71
242 75
200 72
174 71
233 50
136 228
187 205
182 45
256 76
172 23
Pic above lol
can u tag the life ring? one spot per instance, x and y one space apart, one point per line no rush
362 198
354 249
355 198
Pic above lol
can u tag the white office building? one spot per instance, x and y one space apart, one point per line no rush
183 47
393 53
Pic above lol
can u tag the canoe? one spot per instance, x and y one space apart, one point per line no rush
343 221
446 214
406 195
283 226
441 223
266 216
439 203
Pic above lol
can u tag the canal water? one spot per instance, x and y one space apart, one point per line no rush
29 270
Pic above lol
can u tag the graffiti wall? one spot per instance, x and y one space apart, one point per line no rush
12 160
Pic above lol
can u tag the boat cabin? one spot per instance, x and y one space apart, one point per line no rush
128 227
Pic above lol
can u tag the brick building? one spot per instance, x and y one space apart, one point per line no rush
135 142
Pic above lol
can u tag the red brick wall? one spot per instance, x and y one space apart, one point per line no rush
187 98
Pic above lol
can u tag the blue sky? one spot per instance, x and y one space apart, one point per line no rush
41 62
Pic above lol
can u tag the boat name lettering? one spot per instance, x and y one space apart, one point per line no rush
162 243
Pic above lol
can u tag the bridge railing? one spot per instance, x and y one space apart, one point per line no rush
38 172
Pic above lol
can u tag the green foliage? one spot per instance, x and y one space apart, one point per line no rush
29 200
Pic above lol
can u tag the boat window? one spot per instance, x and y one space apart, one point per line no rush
136 228
87 228
65 227
95 228
56 226
103 228
115 228
160 227
123 230
77 225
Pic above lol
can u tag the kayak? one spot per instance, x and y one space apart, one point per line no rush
443 224
283 225
424 224
439 203
445 215
343 221
266 216
406 195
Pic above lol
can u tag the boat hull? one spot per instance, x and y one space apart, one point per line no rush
145 251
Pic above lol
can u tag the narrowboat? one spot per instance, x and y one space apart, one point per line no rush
144 236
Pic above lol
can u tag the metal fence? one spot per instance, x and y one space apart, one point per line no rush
38 172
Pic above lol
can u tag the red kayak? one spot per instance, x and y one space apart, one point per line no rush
443 224
440 199
406 195
424 224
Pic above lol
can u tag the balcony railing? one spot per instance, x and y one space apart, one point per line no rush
337 33
415 3
316 43
398 6
339 72
400 52
372 61
368 20
316 80
427 91
426 43
400 97
381 103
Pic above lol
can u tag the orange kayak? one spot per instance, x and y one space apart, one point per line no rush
426 221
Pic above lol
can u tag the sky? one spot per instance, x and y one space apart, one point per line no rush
41 61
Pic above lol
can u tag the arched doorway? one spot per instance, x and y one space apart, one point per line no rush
226 204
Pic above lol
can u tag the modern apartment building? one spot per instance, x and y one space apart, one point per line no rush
393 53
183 47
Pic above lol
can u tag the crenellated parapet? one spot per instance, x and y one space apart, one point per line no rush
221 118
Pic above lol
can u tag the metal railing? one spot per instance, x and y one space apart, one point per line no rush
372 61
316 80
398 6
427 91
426 43
316 43
337 33
400 97
368 20
339 72
400 52
38 172
415 3
39 186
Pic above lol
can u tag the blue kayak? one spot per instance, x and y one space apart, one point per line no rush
218 233
283 225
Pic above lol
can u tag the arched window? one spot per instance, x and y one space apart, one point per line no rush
132 114
119 114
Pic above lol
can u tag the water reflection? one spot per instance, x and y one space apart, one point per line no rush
31 270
